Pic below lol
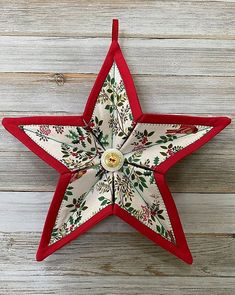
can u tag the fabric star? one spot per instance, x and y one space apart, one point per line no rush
113 160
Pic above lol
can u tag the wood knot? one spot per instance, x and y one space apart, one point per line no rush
60 79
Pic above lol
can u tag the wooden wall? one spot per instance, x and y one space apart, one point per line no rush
182 56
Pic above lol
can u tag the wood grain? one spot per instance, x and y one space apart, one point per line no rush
171 19
29 93
182 57
103 254
40 285
200 213
86 55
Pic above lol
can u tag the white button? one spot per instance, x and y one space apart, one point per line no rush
112 160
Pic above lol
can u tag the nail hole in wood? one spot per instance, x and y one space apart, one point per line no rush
60 79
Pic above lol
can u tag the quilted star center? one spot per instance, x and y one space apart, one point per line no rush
112 160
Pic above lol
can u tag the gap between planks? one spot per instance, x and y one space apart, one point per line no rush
107 36
50 75
172 56
207 19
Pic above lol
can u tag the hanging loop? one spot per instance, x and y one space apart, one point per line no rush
115 30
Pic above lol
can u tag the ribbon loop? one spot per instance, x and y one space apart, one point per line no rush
115 30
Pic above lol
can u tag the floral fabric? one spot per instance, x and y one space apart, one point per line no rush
137 193
88 192
112 120
73 146
152 144
133 188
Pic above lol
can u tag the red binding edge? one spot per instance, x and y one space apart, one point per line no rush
114 54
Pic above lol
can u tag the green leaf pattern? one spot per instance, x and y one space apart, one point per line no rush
80 200
73 146
152 144
112 119
143 200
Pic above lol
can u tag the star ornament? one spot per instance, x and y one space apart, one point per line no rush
113 160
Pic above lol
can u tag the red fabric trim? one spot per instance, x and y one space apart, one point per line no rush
184 119
181 249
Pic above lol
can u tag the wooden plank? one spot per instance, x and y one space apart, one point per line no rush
171 19
86 55
119 255
207 170
38 92
200 213
211 173
90 285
